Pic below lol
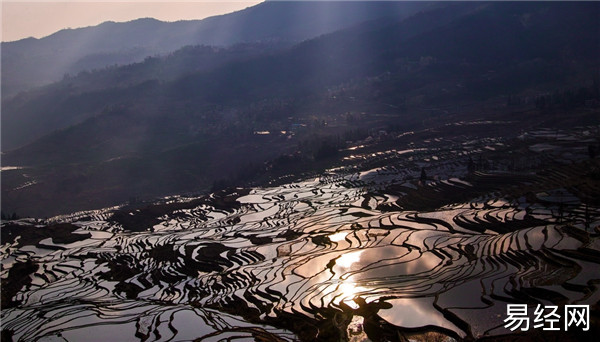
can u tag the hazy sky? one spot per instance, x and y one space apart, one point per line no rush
22 19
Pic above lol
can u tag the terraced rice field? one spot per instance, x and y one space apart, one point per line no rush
361 253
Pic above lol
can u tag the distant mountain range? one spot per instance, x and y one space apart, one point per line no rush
182 121
33 62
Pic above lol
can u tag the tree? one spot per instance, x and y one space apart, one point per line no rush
471 165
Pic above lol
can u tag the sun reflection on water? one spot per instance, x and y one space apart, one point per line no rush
346 260
338 236
348 292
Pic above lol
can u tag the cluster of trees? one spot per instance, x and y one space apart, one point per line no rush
568 99
480 165
311 150
7 217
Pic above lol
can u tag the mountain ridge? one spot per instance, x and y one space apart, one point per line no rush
33 62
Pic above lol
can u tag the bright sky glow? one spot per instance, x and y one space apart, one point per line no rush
23 19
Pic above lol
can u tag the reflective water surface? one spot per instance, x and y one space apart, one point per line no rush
330 255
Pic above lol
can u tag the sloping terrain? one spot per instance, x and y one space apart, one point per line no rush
122 139
33 62
363 251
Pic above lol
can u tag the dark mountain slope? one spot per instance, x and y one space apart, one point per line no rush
458 42
31 115
38 112
160 137
32 62
468 37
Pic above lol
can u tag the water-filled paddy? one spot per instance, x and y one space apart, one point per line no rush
339 257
